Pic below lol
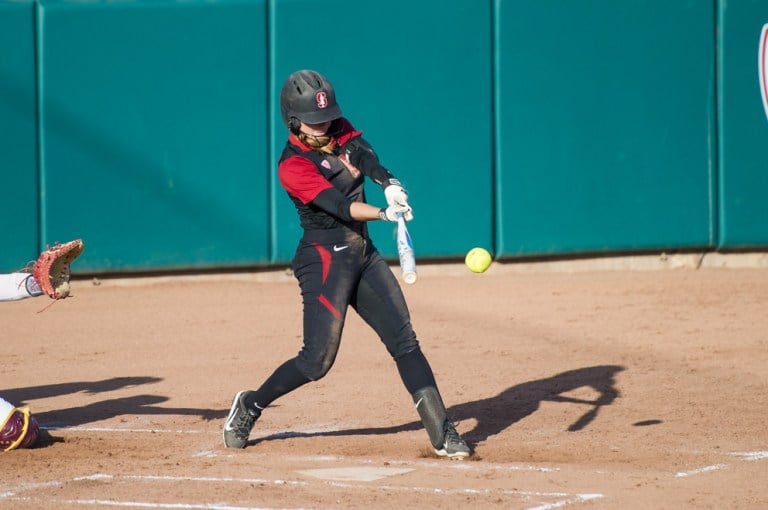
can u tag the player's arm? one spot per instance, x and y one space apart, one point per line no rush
333 202
302 180
361 155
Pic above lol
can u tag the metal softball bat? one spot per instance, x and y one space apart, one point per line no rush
405 251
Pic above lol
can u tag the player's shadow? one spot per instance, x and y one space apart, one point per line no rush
494 414
123 406
19 396
103 409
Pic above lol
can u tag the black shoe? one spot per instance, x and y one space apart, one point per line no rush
454 446
239 422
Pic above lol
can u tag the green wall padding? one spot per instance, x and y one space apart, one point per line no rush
743 134
18 146
151 128
154 131
419 86
605 125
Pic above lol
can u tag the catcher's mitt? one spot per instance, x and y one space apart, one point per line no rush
51 270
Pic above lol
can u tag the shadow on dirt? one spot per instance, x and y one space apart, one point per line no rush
103 409
495 414
19 395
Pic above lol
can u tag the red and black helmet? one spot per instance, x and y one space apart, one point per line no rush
309 97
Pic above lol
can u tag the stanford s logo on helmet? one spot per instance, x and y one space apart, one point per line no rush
309 97
322 99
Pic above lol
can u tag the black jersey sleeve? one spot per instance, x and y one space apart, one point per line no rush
363 157
334 203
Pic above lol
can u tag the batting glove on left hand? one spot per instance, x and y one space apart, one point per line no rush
396 195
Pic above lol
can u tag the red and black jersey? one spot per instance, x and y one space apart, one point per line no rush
321 186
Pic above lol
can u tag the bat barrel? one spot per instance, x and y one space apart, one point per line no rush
405 251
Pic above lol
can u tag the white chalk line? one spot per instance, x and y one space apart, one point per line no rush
145 504
304 483
65 428
580 498
747 456
11 495
759 455
698 471
263 433
169 478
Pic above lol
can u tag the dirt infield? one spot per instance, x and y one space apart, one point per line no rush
590 389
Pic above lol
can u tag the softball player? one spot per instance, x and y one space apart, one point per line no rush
18 428
322 168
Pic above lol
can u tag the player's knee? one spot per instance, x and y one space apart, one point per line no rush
315 371
403 346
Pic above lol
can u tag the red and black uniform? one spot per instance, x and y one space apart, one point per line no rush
338 266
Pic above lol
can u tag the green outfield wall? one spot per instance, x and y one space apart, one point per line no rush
419 87
534 128
20 203
742 140
606 112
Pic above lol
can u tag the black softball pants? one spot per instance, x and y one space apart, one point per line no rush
337 269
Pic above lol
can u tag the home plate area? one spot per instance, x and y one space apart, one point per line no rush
348 485
202 475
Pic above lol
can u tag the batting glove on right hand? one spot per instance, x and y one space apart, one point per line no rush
390 213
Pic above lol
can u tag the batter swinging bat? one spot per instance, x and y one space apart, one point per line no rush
405 251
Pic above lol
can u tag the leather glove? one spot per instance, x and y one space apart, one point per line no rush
390 213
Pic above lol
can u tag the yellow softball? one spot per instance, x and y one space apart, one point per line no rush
478 260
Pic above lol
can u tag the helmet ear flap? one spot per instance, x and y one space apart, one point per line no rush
294 125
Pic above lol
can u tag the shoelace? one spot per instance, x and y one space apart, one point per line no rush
244 424
451 435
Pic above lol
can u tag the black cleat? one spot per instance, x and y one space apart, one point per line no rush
454 446
239 423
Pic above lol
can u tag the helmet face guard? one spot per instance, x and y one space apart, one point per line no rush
308 97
